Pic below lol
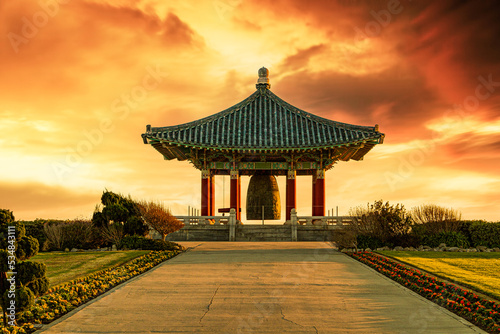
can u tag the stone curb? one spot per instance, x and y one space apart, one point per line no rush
441 248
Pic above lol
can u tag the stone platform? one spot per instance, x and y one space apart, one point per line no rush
254 233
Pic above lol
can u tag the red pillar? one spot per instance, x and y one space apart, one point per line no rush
211 208
291 201
235 202
318 200
238 212
205 192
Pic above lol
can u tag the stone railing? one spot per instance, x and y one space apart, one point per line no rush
338 221
320 220
204 220
230 221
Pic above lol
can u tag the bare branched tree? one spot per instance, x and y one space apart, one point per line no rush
159 218
436 218
54 233
113 233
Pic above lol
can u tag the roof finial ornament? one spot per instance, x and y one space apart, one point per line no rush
263 81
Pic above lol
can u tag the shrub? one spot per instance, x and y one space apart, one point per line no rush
381 221
139 242
366 241
451 239
35 229
80 234
405 240
30 279
120 209
54 233
344 238
485 234
113 233
135 226
427 234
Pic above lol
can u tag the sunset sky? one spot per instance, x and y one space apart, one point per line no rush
81 79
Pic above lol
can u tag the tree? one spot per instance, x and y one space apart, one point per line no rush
160 218
20 280
436 219
119 209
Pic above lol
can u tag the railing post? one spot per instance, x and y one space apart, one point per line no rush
294 223
232 224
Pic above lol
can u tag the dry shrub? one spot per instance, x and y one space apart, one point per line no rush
113 233
345 238
54 233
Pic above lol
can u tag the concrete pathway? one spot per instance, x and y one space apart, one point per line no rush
260 288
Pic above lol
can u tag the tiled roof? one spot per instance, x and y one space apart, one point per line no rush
263 121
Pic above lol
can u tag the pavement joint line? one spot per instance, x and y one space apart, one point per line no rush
430 303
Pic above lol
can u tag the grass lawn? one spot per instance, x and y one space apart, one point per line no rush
479 271
66 266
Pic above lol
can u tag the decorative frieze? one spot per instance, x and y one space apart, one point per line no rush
234 174
205 173
319 174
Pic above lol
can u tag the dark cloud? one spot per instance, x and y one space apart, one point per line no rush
301 58
81 38
452 43
145 25
407 101
179 33
474 146
469 26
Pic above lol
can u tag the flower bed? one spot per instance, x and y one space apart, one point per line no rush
66 297
481 312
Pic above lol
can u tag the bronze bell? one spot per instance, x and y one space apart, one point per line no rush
263 191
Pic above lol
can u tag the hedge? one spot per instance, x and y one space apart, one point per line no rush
467 234
35 229
485 234
138 242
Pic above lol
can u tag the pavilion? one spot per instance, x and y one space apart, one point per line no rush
263 134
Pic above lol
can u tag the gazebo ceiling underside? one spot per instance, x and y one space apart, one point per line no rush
263 125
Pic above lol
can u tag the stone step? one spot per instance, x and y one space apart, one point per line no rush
252 233
263 233
263 239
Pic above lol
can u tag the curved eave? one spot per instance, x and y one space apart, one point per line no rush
182 151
